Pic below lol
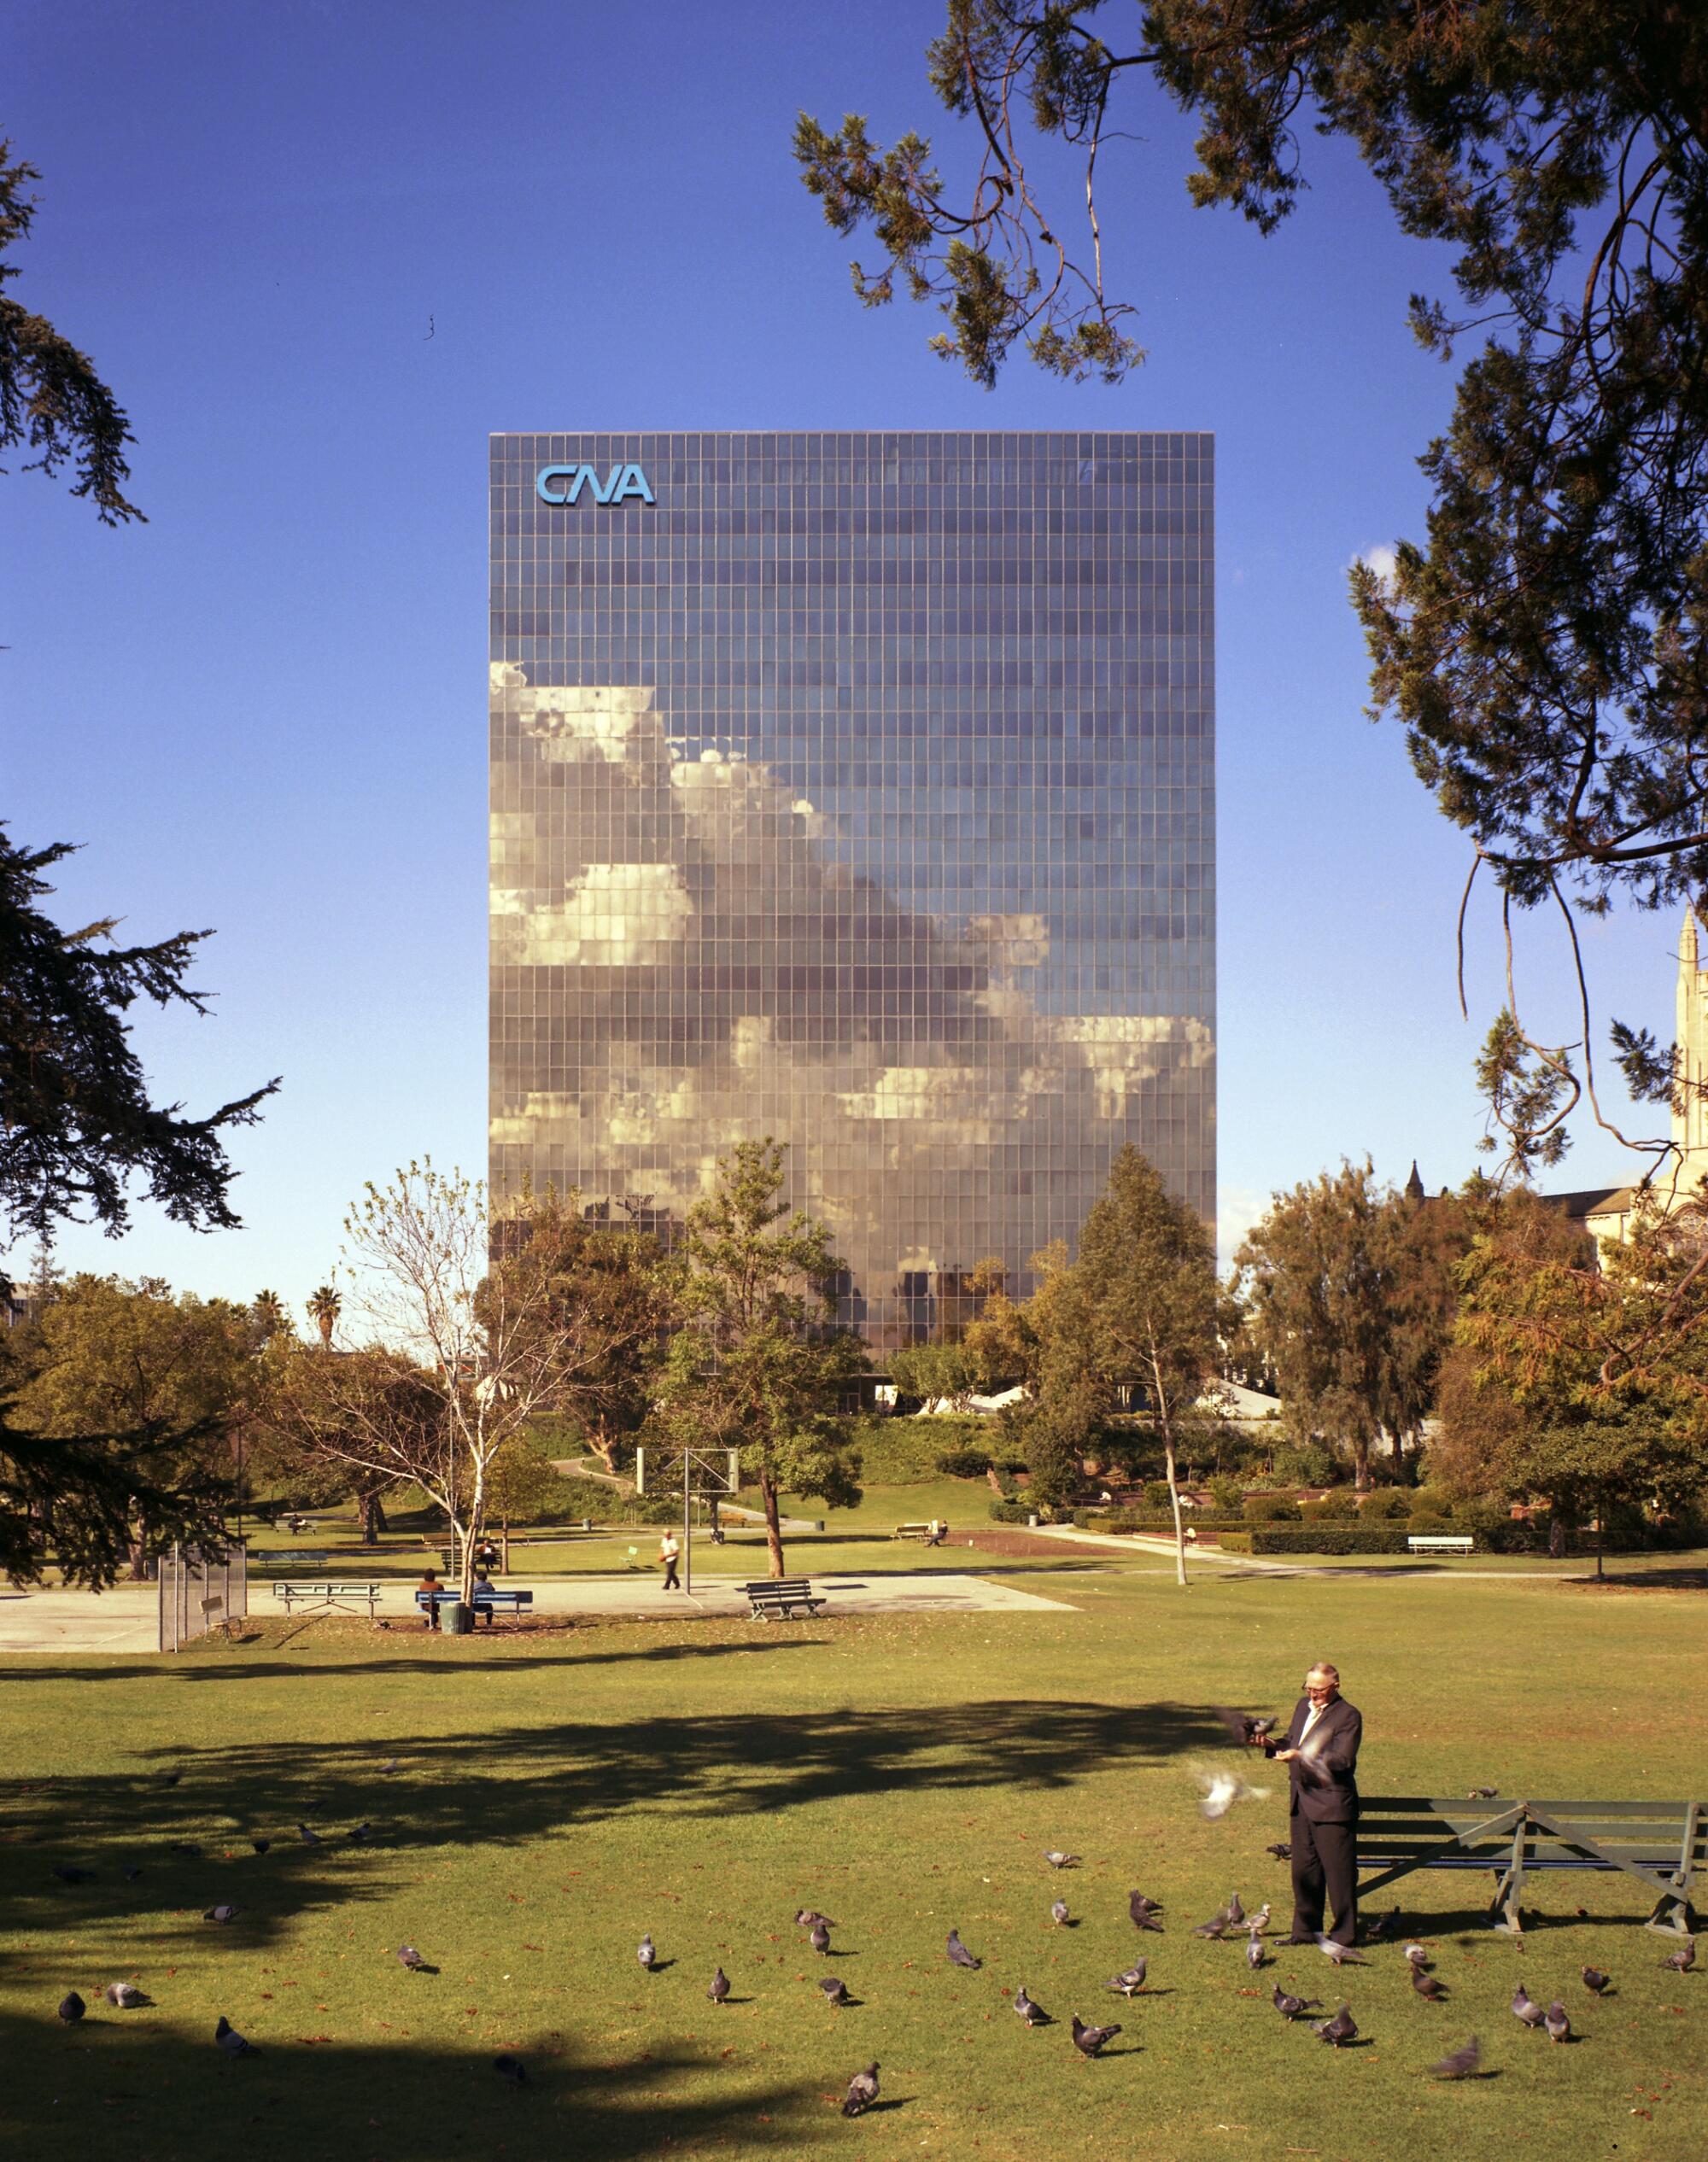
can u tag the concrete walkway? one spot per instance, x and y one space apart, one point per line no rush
125 1619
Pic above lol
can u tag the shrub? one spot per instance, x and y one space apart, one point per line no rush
1386 1507
1431 1501
1226 1494
964 1464
1337 1508
1432 1527
1325 1539
1016 1512
1311 1466
1271 1509
1156 1494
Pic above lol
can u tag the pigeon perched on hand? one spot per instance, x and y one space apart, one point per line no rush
1555 2020
835 1990
1144 1911
1131 1979
1427 1986
1059 1914
226 1914
1090 2042
1059 1860
1525 2007
1682 1962
720 1986
233 2043
959 1954
1291 2008
648 1954
126 1996
72 2007
819 1939
1342 2028
510 2070
1594 1980
863 2091
1461 2064
1029 2009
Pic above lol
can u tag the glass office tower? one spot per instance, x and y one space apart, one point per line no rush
856 789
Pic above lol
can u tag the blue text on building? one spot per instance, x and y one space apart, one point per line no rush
561 484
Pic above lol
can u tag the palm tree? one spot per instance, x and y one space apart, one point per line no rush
268 1309
324 1308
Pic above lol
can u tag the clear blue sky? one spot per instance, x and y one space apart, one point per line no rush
264 711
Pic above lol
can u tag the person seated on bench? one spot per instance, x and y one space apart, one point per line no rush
486 1557
430 1584
482 1597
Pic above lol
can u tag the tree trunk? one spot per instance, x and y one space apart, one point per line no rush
504 1544
1171 1472
1360 1464
1600 1534
774 1530
372 1516
1556 1537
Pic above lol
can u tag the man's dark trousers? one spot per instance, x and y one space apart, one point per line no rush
1324 1858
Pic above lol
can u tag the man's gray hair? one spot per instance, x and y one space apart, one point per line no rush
1322 1667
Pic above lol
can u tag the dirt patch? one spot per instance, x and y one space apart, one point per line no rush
1028 1543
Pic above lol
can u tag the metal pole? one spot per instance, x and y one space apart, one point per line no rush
687 1526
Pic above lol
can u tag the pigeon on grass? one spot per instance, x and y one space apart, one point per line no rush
719 1990
1029 2009
1341 1955
958 1953
835 1991
1342 2028
1144 1911
1131 1979
863 2091
510 2070
1525 2007
222 1914
124 1996
1281 1849
1415 1955
1427 1986
408 1957
1461 2064
72 2007
1057 1860
1255 1953
234 2044
648 1954
69 1873
1682 1962
1059 1914
819 1939
1292 2007
1090 2042
1483 1794
1558 2024
1595 1981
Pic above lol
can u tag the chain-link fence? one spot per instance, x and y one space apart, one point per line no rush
200 1590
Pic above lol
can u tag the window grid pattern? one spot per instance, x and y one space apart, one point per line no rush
858 790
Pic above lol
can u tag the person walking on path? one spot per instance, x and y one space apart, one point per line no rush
669 1552
1320 1751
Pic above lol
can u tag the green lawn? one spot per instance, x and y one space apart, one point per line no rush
558 1795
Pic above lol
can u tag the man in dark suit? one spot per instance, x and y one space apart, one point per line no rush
1320 1751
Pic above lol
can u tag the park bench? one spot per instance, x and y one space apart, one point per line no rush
510 1598
782 1598
317 1592
1661 1844
931 1534
1439 1542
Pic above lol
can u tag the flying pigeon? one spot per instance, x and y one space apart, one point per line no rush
1461 2064
1427 1986
1281 1849
222 1914
863 2091
647 1955
1245 1729
260 1846
720 1986
1341 1955
1089 2041
409 1957
69 1873
1219 1791
231 2042
1342 2028
1291 2008
1525 2007
959 1954
1594 1980
308 1838
1554 2020
1483 1794
511 2069
820 1939
1033 2012
1144 1911
1059 1860
1682 1962
1255 1953
1058 1913
835 1990
72 2007
1130 1980
809 1918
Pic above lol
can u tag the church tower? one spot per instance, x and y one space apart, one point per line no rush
1690 1113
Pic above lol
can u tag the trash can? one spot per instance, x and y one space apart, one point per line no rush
455 1618
1031 1523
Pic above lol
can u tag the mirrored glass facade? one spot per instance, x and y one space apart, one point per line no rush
857 790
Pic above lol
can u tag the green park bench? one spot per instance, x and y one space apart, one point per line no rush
782 1598
1661 1844
316 1591
1440 1543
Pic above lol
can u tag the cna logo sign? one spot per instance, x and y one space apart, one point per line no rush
561 484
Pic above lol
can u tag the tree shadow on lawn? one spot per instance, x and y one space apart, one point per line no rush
132 2083
497 1786
355 1667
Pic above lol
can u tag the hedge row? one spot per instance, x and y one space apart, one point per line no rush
1125 1519
1314 1538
